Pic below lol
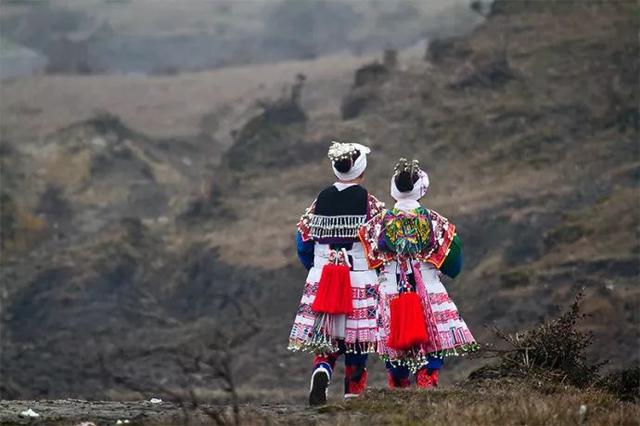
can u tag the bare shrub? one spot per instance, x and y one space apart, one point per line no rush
553 351
203 353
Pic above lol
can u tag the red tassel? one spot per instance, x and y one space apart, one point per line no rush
408 326
334 291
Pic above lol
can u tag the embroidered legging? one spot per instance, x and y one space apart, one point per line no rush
355 368
400 374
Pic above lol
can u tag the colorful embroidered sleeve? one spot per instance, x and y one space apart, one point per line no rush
304 224
375 207
443 233
370 235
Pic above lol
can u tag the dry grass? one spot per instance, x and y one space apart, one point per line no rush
158 106
596 220
492 403
497 403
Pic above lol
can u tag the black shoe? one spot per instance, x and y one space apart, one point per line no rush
319 387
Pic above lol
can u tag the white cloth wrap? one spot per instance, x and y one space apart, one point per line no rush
358 167
358 258
409 200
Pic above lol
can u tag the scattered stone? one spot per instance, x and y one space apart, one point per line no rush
29 413
98 141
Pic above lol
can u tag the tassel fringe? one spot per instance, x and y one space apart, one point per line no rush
336 226
408 327
334 291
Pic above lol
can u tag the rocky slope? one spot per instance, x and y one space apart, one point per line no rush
528 128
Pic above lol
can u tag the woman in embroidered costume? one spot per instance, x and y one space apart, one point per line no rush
338 311
418 323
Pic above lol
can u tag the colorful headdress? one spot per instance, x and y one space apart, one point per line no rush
419 187
403 165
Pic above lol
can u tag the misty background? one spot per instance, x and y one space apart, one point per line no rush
150 37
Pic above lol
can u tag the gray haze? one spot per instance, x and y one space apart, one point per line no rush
151 37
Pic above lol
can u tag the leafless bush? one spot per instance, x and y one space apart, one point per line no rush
553 351
204 354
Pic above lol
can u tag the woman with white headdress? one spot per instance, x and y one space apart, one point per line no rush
338 311
418 322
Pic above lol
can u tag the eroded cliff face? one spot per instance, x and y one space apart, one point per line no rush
528 128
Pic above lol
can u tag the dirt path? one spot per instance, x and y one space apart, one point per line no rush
76 411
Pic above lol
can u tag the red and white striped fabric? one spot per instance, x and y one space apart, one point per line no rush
449 333
314 332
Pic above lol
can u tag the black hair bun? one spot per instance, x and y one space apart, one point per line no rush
345 164
405 180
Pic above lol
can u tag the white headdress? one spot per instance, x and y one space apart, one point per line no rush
409 200
341 151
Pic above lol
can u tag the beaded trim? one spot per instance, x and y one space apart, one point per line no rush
416 359
405 166
328 345
341 151
345 226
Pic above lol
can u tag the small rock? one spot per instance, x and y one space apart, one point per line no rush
155 400
29 413
149 221
98 141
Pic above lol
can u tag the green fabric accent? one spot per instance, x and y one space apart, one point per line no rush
452 264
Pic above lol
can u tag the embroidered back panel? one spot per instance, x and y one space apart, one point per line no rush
432 242
345 226
337 216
